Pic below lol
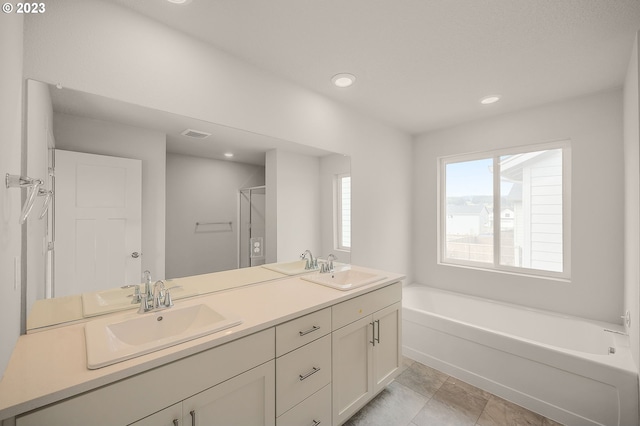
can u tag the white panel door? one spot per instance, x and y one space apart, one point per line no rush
97 208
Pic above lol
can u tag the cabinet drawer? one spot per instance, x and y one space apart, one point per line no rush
314 410
359 307
301 373
300 331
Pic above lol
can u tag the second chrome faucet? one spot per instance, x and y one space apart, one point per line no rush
160 298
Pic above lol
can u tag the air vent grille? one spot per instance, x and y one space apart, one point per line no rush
196 134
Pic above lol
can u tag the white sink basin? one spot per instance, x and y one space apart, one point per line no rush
115 339
119 299
344 280
289 268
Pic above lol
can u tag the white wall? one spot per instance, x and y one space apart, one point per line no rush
81 134
11 89
39 137
330 167
594 125
293 193
204 190
632 200
149 64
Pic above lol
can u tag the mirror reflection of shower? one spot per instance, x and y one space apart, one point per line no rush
252 227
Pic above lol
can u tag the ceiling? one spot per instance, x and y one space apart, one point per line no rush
422 64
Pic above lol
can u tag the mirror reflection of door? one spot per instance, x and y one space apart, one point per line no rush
97 222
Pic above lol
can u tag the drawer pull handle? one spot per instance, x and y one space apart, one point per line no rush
314 370
378 338
311 330
175 422
316 422
193 417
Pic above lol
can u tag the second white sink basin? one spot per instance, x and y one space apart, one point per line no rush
115 339
344 280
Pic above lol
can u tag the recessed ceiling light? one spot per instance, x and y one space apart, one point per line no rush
492 99
179 1
228 154
343 80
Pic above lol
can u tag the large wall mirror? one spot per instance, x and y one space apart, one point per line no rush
165 193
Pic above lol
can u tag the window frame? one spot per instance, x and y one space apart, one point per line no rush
495 266
338 235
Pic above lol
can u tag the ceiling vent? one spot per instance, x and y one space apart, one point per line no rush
196 134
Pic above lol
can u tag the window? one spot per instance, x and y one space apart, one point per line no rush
343 212
507 210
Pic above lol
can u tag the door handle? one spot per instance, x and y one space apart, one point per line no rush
136 255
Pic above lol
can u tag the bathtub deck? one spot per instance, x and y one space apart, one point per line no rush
423 396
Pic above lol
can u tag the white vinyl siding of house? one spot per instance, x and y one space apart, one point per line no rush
542 198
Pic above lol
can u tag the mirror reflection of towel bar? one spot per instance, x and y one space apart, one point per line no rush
215 227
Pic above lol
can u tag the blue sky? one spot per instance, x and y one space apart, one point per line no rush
472 178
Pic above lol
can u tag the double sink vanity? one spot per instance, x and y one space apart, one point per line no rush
270 345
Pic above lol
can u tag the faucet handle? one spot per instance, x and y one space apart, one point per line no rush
144 306
168 302
136 295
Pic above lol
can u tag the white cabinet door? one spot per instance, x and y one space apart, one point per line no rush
170 416
245 400
387 348
352 368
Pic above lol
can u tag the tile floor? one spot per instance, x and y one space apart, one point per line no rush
422 396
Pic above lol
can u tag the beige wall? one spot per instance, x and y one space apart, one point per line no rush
204 190
594 125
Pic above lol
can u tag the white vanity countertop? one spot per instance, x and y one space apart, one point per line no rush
51 365
55 312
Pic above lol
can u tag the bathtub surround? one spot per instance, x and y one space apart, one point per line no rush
569 369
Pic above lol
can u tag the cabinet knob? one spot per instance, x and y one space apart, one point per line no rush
176 422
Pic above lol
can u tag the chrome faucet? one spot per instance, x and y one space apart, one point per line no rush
327 266
311 262
160 299
138 293
146 278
